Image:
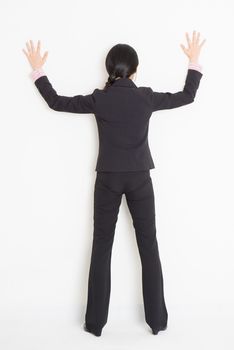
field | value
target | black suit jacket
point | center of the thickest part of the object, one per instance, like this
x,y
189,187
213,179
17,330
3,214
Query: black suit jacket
x,y
122,114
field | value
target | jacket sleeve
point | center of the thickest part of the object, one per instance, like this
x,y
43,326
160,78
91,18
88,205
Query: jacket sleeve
x,y
74,104
168,100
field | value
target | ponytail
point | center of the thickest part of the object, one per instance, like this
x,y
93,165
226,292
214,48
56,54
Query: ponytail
x,y
112,77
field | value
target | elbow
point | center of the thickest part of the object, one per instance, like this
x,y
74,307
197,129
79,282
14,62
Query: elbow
x,y
189,95
190,98
50,105
53,104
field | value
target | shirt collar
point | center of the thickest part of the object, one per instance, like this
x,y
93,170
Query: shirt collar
x,y
125,82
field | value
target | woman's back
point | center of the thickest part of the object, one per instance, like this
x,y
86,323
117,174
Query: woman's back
x,y
122,113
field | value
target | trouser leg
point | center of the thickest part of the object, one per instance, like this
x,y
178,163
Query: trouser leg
x,y
142,208
106,208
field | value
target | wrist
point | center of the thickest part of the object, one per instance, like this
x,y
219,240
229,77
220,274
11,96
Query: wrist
x,y
195,66
193,60
37,73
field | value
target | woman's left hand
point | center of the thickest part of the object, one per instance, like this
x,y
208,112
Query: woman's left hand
x,y
33,55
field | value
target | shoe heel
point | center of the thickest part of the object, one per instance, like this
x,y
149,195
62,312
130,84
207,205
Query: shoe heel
x,y
155,331
96,332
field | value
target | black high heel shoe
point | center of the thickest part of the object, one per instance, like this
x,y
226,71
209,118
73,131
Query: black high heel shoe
x,y
97,333
155,331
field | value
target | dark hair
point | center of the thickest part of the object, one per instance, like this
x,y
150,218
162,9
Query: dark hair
x,y
121,61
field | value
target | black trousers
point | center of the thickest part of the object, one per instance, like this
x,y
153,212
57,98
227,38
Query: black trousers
x,y
108,190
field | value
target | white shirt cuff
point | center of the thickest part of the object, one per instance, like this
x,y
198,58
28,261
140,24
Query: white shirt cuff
x,y
195,66
37,73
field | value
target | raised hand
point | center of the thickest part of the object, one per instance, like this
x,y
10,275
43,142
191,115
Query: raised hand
x,y
33,55
194,47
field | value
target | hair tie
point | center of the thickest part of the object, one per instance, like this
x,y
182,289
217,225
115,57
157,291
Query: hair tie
x,y
111,78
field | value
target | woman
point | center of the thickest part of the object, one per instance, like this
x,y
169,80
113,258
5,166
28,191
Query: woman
x,y
122,111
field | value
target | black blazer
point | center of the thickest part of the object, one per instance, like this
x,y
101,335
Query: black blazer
x,y
122,114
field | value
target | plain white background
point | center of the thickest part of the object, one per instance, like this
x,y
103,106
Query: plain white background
x,y
47,161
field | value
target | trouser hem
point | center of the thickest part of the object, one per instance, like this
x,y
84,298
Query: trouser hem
x,y
94,329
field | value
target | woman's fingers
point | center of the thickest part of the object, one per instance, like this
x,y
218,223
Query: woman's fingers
x,y
26,54
202,43
188,39
193,49
44,57
194,36
38,46
28,47
29,58
33,55
32,46
183,48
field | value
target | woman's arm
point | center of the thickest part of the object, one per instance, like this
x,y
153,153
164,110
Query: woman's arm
x,y
168,100
74,104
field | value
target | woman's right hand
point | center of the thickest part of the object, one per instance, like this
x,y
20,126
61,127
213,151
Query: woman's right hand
x,y
194,48
34,57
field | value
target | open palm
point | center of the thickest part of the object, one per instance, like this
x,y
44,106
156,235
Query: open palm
x,y
34,56
194,47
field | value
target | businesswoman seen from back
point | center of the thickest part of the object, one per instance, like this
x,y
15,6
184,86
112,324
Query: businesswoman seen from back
x,y
122,111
